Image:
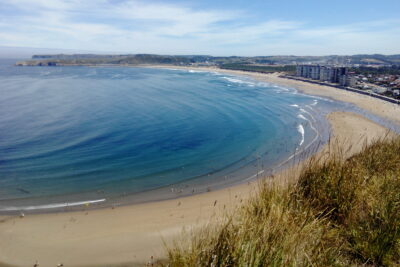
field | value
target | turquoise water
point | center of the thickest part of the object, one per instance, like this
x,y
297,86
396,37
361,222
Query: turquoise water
x,y
109,132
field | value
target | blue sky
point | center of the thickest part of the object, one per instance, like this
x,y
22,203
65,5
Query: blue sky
x,y
227,27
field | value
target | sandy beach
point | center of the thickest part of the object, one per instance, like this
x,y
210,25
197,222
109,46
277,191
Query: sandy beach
x,y
133,234
376,106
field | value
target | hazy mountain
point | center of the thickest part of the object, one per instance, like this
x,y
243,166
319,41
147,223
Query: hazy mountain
x,y
28,52
134,59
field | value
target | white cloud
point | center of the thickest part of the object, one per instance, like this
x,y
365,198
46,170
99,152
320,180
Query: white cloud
x,y
149,27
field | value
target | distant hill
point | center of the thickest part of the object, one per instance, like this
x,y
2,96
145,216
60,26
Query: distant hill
x,y
137,59
93,59
24,53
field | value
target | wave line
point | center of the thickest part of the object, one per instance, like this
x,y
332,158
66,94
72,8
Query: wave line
x,y
52,206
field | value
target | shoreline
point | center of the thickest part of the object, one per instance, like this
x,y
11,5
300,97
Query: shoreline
x,y
116,236
229,176
376,106
201,185
375,95
135,233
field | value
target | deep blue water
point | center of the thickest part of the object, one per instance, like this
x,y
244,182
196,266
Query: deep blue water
x,y
68,130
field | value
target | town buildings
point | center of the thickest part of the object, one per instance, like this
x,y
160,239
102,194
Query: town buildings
x,y
378,83
330,74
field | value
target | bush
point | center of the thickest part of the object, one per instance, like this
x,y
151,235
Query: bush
x,y
340,212
361,195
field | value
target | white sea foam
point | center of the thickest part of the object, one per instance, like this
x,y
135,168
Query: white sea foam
x,y
302,117
234,80
298,151
181,70
300,128
216,73
294,105
263,84
254,176
278,87
284,89
196,71
305,111
52,206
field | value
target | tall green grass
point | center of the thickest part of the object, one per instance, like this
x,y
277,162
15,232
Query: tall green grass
x,y
338,212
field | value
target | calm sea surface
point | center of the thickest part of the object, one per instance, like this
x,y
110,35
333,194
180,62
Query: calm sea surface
x,y
122,131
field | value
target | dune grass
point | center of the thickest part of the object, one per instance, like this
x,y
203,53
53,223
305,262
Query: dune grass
x,y
338,212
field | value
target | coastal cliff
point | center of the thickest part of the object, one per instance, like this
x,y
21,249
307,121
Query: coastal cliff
x,y
37,63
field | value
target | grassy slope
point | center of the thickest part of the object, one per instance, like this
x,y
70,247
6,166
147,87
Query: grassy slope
x,y
338,213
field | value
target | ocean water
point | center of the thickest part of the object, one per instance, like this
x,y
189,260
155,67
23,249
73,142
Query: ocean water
x,y
98,134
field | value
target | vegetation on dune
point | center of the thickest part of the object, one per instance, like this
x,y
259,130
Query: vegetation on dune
x,y
291,69
339,212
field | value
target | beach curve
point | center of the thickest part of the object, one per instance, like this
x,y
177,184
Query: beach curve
x,y
114,236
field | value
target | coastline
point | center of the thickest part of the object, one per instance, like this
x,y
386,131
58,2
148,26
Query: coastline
x,y
132,234
246,169
376,106
114,236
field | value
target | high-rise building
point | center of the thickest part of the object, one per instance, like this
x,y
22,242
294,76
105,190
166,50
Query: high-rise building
x,y
299,70
308,71
325,73
315,71
333,75
347,80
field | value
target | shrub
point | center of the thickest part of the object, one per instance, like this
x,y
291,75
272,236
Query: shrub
x,y
340,212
